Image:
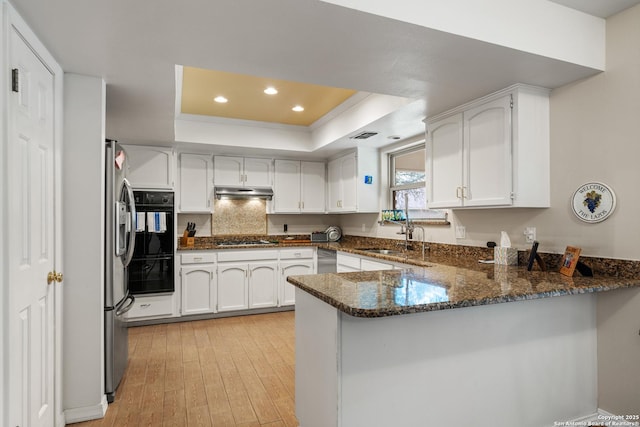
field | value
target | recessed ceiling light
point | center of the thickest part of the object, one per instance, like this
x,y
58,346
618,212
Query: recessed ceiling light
x,y
298,108
220,99
271,90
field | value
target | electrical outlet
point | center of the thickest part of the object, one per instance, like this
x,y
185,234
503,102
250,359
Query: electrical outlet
x,y
530,234
461,231
364,228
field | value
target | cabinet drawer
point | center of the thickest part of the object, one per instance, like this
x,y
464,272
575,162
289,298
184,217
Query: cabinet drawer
x,y
157,305
349,261
198,258
247,255
296,253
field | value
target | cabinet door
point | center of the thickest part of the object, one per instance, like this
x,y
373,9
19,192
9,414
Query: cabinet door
x,y
263,284
348,182
198,289
487,169
313,185
228,171
195,183
232,286
149,167
444,163
258,172
334,188
287,187
292,268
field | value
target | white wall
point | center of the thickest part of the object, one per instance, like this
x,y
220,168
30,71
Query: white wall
x,y
619,351
83,201
594,136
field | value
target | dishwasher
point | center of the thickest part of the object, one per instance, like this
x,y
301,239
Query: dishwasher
x,y
326,261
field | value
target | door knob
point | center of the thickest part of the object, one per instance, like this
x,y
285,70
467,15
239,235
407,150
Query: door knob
x,y
52,276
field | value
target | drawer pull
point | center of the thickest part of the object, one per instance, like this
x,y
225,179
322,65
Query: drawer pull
x,y
198,258
146,305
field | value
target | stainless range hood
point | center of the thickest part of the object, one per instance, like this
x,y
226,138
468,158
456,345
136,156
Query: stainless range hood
x,y
243,193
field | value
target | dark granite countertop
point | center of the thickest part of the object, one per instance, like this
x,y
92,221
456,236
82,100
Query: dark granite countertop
x,y
438,287
449,277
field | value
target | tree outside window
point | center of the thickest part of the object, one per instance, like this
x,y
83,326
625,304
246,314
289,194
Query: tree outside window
x,y
408,180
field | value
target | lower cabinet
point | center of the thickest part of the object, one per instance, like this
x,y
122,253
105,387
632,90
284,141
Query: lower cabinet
x,y
197,282
247,279
347,263
294,262
198,289
232,286
292,268
370,265
263,285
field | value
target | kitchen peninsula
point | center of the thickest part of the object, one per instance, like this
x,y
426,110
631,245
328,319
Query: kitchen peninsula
x,y
440,345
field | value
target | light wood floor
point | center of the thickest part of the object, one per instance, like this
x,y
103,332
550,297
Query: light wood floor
x,y
236,371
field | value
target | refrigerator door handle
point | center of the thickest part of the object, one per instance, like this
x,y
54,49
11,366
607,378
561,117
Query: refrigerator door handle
x,y
125,308
132,211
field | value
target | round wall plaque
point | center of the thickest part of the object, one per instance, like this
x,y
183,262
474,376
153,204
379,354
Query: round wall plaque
x,y
593,202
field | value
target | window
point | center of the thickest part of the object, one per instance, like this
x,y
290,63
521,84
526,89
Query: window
x,y
407,181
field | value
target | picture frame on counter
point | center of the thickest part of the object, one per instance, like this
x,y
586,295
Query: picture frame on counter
x,y
569,260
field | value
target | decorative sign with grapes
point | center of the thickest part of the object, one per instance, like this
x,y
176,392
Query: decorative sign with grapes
x,y
593,202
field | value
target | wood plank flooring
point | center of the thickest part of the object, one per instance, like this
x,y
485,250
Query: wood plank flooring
x,y
235,371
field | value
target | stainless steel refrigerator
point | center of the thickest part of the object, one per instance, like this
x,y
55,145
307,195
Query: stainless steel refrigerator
x,y
119,240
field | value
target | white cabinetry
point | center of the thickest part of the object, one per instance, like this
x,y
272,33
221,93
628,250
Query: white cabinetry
x,y
294,262
371,265
353,182
149,167
195,183
263,284
152,307
491,152
347,263
198,283
247,279
243,171
299,187
232,286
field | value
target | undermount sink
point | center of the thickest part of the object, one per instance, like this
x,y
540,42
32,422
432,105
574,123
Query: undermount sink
x,y
380,251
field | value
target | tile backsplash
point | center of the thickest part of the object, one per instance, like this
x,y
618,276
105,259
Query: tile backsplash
x,y
239,217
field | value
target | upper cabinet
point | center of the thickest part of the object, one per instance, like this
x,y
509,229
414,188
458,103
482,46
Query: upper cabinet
x,y
299,187
150,167
353,182
195,173
493,152
243,172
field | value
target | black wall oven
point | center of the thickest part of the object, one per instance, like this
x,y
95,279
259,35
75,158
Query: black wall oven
x,y
151,269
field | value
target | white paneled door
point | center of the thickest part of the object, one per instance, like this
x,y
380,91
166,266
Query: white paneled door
x,y
31,233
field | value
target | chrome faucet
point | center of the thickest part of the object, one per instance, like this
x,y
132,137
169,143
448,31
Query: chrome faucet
x,y
423,239
407,228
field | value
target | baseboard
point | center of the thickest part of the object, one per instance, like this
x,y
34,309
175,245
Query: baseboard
x,y
86,413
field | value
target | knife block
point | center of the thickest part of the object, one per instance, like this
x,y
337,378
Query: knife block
x,y
188,242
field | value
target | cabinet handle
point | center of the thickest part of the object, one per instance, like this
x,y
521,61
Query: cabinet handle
x,y
198,258
464,193
302,205
458,192
147,305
